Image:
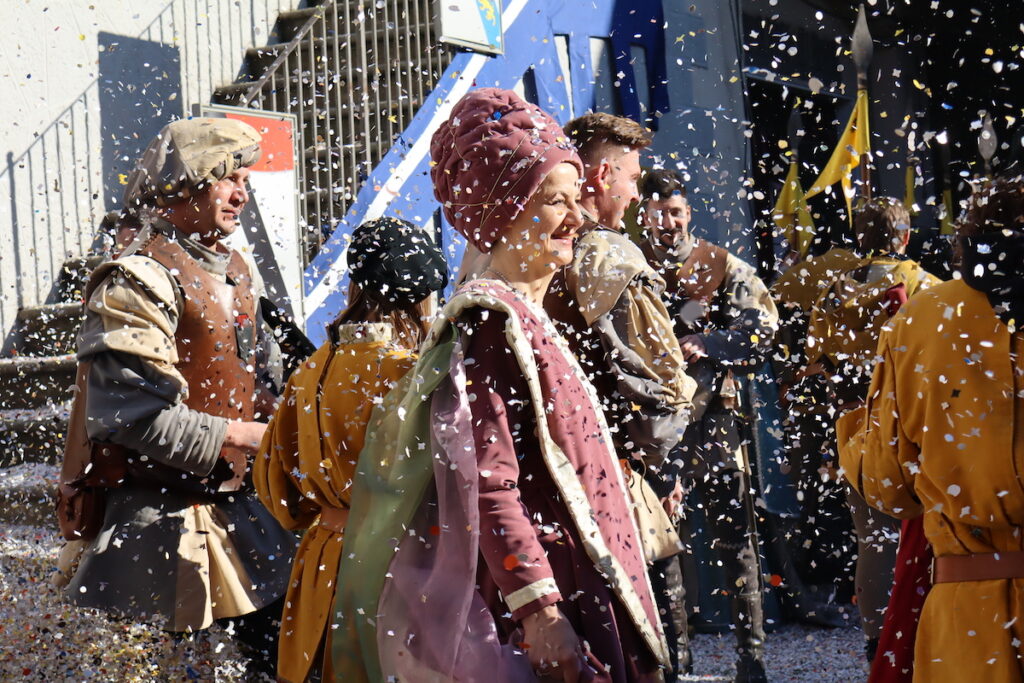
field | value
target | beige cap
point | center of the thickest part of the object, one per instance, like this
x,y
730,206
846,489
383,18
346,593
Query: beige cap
x,y
186,155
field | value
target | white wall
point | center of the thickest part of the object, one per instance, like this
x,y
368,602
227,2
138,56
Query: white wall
x,y
84,84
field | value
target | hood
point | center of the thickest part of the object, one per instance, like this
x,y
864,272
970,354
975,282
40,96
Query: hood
x,y
993,264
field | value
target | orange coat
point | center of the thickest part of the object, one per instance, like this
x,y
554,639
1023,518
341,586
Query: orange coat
x,y
306,462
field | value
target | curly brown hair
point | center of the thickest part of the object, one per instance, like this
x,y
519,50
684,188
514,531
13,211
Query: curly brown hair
x,y
879,225
590,131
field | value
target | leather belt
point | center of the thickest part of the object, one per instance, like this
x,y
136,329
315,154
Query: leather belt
x,y
978,567
334,518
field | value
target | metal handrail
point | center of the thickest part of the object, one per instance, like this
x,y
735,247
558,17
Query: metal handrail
x,y
291,46
354,75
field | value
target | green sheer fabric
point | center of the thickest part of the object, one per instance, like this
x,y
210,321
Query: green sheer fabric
x,y
394,470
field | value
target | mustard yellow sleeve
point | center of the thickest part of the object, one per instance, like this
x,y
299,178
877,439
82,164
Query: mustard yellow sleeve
x,y
879,459
277,458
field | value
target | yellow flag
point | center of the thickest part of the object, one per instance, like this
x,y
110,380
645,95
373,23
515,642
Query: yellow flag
x,y
791,214
908,189
855,141
946,223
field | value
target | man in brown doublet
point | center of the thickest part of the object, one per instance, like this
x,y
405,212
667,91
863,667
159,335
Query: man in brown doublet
x,y
176,369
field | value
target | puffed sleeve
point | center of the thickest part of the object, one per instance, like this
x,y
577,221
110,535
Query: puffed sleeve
x,y
878,457
752,318
503,431
135,393
653,388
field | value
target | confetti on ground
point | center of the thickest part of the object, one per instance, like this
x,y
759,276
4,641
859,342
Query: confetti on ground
x,y
794,653
43,638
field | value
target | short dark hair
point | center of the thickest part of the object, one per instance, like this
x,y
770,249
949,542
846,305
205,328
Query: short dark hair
x,y
590,131
876,225
661,182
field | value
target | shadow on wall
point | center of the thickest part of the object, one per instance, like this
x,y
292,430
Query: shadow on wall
x,y
60,186
139,92
53,185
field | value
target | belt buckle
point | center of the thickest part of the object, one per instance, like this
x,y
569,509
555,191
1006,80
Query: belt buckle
x,y
931,571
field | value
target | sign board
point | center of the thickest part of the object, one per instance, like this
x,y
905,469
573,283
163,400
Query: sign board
x,y
270,230
475,24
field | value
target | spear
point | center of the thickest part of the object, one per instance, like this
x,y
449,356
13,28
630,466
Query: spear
x,y
854,145
862,48
910,174
790,213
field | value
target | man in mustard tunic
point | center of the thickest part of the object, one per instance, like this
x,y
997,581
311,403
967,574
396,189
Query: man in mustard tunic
x,y
944,437
820,592
842,337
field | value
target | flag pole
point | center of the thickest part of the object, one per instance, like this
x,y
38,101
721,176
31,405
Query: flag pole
x,y
793,131
862,49
912,162
792,137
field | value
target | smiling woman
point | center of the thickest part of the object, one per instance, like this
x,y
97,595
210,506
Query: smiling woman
x,y
532,560
539,241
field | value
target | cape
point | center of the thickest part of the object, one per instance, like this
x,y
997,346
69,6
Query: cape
x,y
412,537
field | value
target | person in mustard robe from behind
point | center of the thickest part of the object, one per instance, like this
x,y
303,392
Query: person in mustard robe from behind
x,y
844,325
305,464
944,437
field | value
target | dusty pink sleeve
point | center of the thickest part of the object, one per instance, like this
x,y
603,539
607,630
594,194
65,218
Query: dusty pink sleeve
x,y
503,431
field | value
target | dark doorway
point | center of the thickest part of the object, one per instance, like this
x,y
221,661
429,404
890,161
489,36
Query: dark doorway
x,y
822,117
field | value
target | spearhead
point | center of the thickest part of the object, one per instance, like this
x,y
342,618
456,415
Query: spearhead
x,y
862,48
987,143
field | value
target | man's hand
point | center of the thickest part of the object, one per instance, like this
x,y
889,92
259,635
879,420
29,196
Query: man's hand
x,y
673,501
693,347
829,470
240,443
239,463
811,370
244,435
553,647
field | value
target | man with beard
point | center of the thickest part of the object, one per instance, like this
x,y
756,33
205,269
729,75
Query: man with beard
x,y
725,321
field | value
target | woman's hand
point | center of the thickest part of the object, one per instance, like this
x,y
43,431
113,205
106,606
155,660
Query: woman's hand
x,y
553,647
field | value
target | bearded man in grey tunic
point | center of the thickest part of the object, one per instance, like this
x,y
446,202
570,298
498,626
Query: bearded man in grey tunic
x,y
177,369
725,320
